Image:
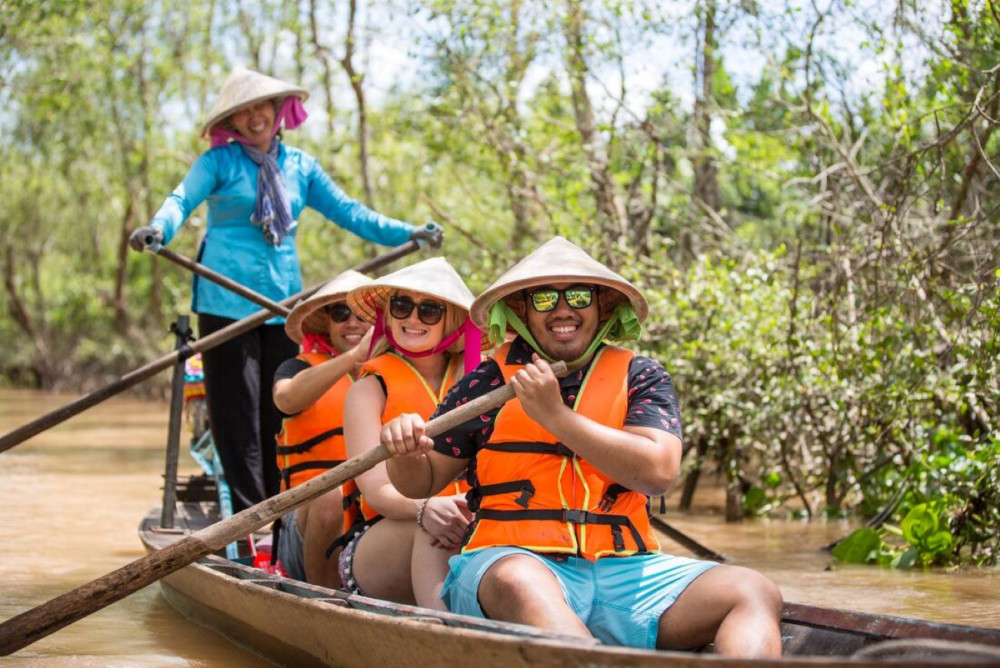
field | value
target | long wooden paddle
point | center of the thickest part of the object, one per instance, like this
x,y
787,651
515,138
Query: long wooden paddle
x,y
32,625
59,415
224,281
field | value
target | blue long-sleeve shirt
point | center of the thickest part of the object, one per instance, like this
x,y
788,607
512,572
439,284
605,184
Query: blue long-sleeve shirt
x,y
227,179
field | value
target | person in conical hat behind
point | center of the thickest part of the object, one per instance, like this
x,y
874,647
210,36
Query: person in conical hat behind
x,y
423,342
563,475
309,391
255,187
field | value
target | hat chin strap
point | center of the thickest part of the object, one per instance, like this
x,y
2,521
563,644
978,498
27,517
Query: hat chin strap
x,y
317,343
473,341
501,315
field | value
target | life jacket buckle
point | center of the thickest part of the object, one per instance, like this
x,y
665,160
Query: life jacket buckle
x,y
562,450
527,491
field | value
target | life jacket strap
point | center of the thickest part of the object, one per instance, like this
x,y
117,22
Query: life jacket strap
x,y
525,487
306,446
287,473
352,498
531,447
574,516
611,495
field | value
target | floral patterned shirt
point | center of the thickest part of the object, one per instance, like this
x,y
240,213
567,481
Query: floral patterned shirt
x,y
652,400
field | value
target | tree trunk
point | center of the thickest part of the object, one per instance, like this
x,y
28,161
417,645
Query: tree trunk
x,y
691,481
356,79
121,269
255,43
734,481
706,173
324,58
19,311
610,209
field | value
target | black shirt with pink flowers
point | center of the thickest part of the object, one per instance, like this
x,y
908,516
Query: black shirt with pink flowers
x,y
652,400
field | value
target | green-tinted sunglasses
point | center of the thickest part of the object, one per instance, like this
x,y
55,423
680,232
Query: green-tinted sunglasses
x,y
577,296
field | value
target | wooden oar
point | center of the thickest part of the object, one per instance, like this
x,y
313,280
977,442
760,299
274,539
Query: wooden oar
x,y
34,624
224,281
687,541
59,415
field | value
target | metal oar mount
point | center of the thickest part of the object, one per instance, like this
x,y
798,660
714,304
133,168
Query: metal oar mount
x,y
51,419
35,624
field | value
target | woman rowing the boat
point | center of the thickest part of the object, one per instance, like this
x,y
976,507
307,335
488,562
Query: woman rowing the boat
x,y
310,390
423,343
255,187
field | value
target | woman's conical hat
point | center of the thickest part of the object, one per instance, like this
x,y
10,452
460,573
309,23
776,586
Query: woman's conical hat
x,y
306,316
434,278
244,87
555,261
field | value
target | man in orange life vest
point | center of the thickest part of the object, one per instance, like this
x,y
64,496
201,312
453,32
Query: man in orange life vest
x,y
561,475
309,390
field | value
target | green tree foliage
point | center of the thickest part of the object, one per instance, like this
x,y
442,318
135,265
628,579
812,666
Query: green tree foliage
x,y
806,192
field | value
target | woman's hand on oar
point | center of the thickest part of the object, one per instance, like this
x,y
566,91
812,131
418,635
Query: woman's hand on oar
x,y
145,237
32,625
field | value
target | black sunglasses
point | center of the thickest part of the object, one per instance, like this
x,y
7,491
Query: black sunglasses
x,y
577,296
430,313
338,312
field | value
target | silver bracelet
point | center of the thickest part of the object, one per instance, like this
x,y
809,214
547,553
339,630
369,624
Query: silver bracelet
x,y
420,513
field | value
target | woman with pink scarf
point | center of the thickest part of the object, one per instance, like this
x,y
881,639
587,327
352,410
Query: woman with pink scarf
x,y
255,187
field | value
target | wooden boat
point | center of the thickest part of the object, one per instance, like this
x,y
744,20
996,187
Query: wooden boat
x,y
295,623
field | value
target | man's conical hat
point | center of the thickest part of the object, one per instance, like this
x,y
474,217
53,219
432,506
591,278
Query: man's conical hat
x,y
244,87
555,261
306,316
434,278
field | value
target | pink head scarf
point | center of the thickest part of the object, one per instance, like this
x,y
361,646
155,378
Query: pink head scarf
x,y
472,348
292,114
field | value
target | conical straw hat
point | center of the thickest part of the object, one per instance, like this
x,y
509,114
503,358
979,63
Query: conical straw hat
x,y
243,87
555,261
306,316
434,278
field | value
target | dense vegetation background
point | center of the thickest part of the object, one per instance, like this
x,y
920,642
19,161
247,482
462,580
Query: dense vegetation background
x,y
806,191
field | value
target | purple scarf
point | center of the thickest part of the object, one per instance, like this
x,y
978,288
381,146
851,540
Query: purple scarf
x,y
271,210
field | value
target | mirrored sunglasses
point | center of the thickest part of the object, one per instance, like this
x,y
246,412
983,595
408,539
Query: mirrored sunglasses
x,y
430,313
577,296
338,312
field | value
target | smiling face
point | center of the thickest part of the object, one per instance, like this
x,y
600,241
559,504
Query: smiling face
x,y
412,333
564,333
347,334
255,121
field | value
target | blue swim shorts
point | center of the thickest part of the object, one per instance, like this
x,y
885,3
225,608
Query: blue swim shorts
x,y
620,599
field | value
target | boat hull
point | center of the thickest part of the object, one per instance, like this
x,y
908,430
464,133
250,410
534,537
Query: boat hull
x,y
298,624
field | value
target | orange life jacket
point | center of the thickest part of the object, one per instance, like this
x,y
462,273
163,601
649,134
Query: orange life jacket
x,y
312,442
536,493
406,392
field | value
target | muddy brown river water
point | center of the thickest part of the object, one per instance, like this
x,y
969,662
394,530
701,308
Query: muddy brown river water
x,y
72,498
